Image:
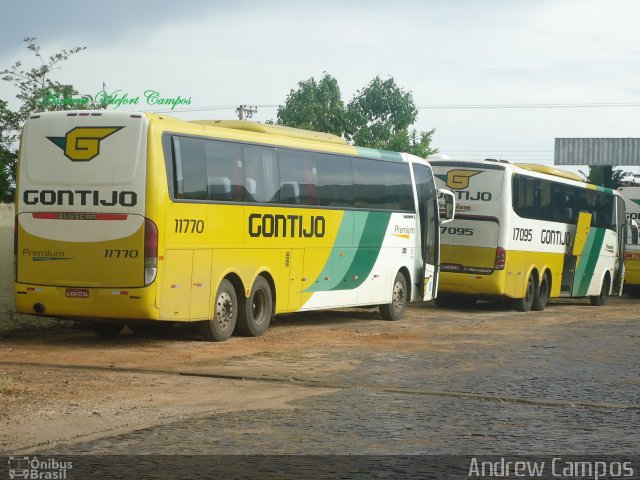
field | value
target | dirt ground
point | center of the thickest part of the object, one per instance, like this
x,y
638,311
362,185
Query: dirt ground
x,y
65,385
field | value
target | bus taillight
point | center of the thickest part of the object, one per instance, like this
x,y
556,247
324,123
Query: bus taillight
x,y
501,258
150,251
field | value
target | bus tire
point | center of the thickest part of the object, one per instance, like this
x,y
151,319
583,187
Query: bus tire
x,y
524,304
107,329
394,310
598,300
542,295
225,314
256,315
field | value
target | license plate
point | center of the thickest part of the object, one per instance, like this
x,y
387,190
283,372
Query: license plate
x,y
78,292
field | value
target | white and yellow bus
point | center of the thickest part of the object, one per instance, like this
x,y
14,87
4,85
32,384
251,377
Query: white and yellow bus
x,y
528,232
631,197
125,219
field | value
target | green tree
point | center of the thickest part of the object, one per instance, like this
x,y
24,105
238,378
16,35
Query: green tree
x,y
314,106
36,92
379,116
608,177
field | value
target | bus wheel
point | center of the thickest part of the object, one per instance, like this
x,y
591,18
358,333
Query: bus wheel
x,y
542,295
107,329
258,310
524,304
598,300
395,309
225,313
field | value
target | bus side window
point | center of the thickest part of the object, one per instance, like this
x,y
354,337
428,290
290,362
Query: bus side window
x,y
219,188
261,165
290,193
368,179
334,181
250,189
224,171
298,177
191,168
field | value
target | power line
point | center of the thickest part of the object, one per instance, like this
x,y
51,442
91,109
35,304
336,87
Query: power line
x,y
529,105
445,106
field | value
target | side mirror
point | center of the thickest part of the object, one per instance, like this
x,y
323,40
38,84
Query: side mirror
x,y
447,205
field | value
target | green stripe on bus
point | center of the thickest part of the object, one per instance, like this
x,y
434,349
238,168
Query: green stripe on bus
x,y
378,154
355,251
588,260
604,189
342,253
368,249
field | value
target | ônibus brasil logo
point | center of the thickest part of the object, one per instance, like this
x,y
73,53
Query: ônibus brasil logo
x,y
82,144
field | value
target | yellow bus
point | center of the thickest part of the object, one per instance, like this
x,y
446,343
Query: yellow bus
x,y
529,232
129,218
631,196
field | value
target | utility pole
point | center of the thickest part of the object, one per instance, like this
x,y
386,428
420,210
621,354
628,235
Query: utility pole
x,y
246,111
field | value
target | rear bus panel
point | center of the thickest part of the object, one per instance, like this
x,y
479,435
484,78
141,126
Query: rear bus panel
x,y
80,223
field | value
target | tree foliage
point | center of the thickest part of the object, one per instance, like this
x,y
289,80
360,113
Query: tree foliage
x,y
598,175
36,92
314,106
379,116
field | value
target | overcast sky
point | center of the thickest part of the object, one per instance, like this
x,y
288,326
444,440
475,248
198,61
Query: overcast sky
x,y
456,53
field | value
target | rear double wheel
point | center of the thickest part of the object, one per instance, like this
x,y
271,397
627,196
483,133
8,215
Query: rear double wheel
x,y
255,317
541,295
225,314
525,303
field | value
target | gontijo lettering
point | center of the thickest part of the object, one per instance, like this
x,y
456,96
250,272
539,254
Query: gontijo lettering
x,y
80,197
286,226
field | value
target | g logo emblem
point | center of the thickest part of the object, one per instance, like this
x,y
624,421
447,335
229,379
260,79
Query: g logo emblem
x,y
459,179
82,144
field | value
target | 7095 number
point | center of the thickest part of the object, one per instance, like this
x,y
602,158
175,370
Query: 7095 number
x,y
456,230
523,234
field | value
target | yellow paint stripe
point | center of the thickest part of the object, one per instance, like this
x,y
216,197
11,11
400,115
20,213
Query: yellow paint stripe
x,y
582,231
401,235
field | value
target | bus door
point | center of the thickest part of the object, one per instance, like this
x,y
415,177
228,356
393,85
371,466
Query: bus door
x,y
429,235
429,247
574,252
621,229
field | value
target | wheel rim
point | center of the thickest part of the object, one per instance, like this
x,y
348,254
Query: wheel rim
x,y
399,297
259,307
224,310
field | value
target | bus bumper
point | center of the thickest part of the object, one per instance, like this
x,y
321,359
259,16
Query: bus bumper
x,y
632,276
472,284
87,303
